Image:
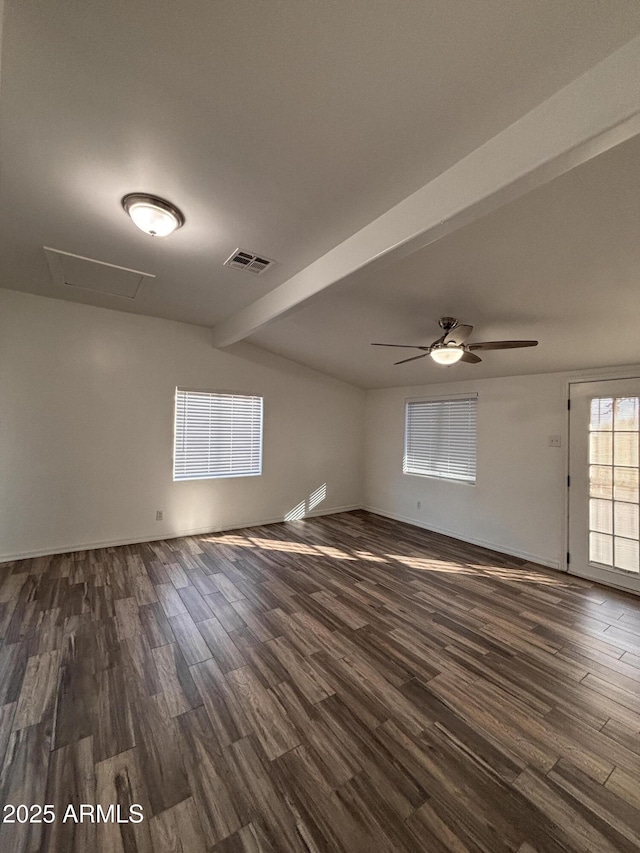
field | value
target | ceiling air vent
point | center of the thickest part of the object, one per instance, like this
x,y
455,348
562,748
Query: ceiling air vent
x,y
255,264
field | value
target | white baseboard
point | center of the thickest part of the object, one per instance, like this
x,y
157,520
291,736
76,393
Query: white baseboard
x,y
170,534
483,543
198,531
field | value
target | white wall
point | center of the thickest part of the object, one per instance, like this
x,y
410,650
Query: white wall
x,y
518,502
86,429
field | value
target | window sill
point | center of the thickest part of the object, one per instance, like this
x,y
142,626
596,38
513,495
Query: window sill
x,y
439,479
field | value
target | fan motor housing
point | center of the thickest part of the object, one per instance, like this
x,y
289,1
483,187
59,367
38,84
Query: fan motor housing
x,y
447,323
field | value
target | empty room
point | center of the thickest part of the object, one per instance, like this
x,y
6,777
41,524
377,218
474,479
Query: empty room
x,y
320,426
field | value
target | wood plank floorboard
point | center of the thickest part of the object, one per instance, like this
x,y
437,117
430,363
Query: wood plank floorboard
x,y
340,684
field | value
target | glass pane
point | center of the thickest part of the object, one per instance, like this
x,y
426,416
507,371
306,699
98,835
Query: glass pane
x,y
626,414
601,549
625,484
601,413
600,448
601,516
626,520
614,527
600,482
626,448
627,554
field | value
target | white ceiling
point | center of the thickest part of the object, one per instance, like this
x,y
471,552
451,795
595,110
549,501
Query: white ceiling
x,y
283,128
560,265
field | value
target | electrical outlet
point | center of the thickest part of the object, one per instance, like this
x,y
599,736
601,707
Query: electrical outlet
x,y
419,504
555,441
159,515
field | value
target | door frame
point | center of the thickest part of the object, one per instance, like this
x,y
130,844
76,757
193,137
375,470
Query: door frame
x,y
603,374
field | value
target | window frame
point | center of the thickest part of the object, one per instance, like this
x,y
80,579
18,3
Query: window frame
x,y
443,477
216,393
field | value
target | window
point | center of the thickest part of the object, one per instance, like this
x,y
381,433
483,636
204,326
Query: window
x,y
440,438
614,469
217,435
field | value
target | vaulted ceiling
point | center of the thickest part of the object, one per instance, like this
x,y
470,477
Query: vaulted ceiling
x,y
287,128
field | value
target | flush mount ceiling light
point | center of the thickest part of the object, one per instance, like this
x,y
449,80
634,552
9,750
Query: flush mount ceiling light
x,y
155,216
447,353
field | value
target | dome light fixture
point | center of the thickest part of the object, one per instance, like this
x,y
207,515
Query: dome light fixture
x,y
155,216
447,353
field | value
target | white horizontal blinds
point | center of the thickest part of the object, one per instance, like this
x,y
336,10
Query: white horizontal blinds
x,y
440,439
217,435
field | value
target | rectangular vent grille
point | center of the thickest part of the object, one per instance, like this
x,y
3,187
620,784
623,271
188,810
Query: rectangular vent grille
x,y
254,264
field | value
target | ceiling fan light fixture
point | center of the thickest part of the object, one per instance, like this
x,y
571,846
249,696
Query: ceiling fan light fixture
x,y
447,353
153,215
452,346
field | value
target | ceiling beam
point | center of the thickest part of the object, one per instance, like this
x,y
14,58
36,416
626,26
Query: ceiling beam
x,y
597,111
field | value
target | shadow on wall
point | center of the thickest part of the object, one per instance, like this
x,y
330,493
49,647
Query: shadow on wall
x,y
300,510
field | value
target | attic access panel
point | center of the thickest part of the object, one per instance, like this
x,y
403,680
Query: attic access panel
x,y
69,270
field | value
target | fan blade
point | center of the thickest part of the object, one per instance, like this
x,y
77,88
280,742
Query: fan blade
x,y
471,358
403,346
503,345
458,335
413,358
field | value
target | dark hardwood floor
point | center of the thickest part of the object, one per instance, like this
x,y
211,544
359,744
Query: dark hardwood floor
x,y
344,683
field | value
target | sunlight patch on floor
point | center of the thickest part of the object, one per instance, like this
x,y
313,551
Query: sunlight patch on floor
x,y
367,555
429,564
335,553
424,564
227,539
280,545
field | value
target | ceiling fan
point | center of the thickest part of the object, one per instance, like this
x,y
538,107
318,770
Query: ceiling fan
x,y
451,347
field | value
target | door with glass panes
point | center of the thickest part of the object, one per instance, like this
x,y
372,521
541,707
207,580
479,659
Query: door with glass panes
x,y
604,459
